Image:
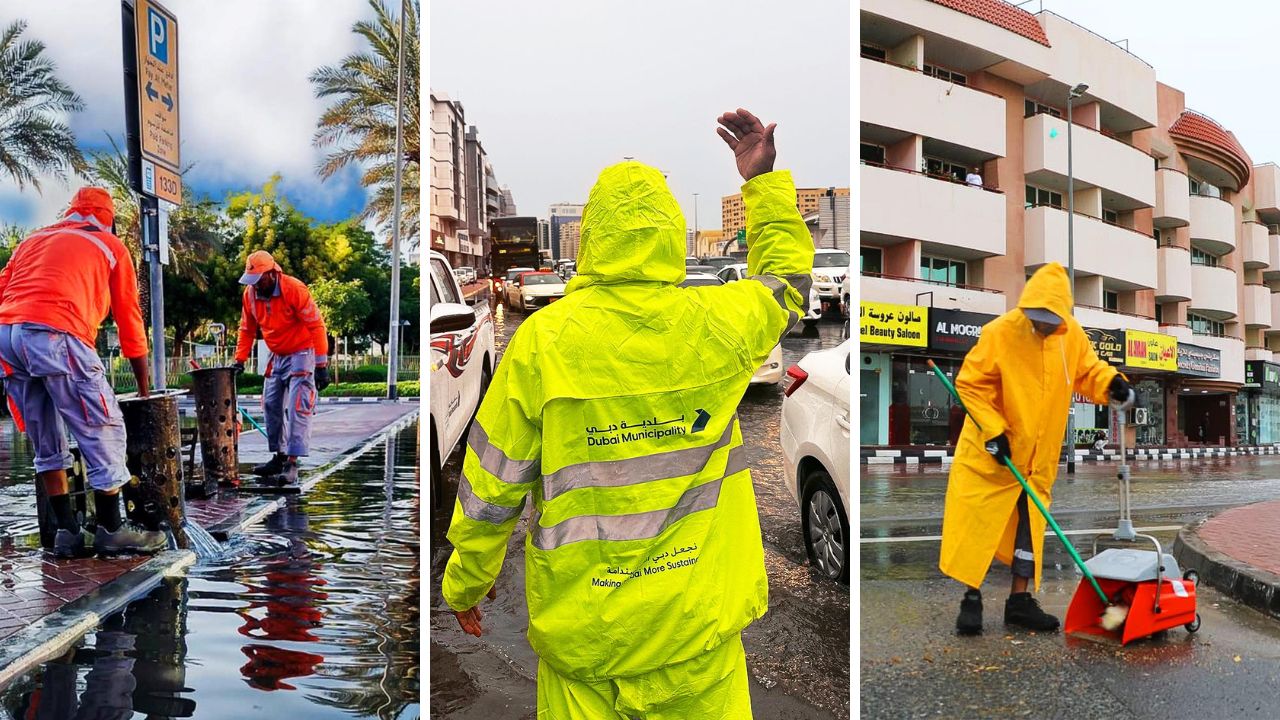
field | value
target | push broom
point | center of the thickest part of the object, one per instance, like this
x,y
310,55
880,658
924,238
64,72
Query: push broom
x,y
1115,614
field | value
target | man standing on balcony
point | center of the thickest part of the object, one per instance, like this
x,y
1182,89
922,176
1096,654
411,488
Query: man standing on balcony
x,y
280,306
974,177
1017,384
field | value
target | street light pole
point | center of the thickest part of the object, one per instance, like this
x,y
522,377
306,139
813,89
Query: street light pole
x,y
393,358
695,224
1075,92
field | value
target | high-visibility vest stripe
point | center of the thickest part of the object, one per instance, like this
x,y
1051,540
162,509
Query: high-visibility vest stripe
x,y
111,257
482,510
495,461
801,283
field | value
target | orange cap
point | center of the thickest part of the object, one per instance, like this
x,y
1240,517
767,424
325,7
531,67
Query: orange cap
x,y
256,265
94,205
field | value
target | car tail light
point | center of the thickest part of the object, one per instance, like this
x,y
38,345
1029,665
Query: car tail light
x,y
795,378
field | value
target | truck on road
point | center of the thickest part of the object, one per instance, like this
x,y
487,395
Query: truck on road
x,y
514,244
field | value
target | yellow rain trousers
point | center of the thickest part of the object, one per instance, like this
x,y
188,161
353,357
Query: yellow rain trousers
x,y
1018,383
615,410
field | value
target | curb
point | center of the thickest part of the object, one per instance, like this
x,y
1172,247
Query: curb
x,y
1257,588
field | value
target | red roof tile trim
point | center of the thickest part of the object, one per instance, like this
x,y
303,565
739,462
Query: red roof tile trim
x,y
1002,14
1194,126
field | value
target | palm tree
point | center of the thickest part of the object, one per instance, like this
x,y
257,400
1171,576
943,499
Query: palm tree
x,y
33,138
361,126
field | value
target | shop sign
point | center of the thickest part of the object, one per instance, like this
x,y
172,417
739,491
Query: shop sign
x,y
1260,373
1151,351
1199,361
955,330
888,324
1108,344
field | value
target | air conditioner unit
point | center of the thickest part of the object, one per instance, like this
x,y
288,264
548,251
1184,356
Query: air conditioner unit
x,y
1141,416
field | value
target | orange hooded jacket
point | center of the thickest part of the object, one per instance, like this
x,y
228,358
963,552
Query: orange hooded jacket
x,y
71,274
289,320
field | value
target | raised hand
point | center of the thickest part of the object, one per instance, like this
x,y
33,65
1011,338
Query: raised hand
x,y
750,140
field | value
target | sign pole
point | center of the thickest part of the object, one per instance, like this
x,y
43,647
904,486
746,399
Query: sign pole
x,y
151,241
393,337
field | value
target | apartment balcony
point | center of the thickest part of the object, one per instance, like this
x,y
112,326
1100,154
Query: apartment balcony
x,y
969,221
1275,313
1182,332
1173,199
1232,350
1214,292
1098,245
1257,250
1173,274
906,291
1102,318
906,99
1123,172
1272,271
1258,353
1266,192
1213,224
1257,306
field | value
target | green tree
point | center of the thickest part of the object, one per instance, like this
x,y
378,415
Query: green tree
x,y
266,220
201,288
33,137
360,127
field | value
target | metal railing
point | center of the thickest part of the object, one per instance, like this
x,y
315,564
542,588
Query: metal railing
x,y
940,283
935,176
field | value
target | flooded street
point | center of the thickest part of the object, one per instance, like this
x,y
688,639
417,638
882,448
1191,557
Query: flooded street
x,y
912,664
797,654
313,614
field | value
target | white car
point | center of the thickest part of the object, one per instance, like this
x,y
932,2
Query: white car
x,y
738,271
830,268
462,362
771,372
532,290
468,275
500,285
815,451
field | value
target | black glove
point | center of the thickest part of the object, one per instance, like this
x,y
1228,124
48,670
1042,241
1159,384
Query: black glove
x,y
239,366
998,446
322,377
1121,392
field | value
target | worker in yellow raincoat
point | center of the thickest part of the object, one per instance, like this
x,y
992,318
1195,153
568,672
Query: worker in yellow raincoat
x,y
614,413
1017,383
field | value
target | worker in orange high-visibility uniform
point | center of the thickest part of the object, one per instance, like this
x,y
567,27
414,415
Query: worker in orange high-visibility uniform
x,y
54,293
280,306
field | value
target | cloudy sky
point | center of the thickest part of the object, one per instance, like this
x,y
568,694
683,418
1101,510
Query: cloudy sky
x,y
558,89
248,109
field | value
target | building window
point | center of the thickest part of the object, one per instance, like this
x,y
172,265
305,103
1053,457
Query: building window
x,y
872,260
1156,234
1159,314
1040,196
938,167
873,52
1031,107
1205,326
1200,257
871,153
945,75
1204,189
1111,300
942,270
1111,216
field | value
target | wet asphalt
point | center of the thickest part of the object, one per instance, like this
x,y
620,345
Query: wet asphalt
x,y
912,665
797,655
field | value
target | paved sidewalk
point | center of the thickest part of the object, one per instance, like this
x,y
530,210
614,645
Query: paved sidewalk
x,y
1237,552
944,456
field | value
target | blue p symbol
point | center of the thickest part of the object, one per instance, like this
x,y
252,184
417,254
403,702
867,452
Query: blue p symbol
x,y
158,35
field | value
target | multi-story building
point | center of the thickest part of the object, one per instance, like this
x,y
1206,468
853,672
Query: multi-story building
x,y
733,213
507,203
829,222
560,214
449,220
709,243
570,239
1176,234
478,172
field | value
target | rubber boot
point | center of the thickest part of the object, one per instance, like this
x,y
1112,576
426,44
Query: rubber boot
x,y
271,467
970,620
129,538
288,475
1024,611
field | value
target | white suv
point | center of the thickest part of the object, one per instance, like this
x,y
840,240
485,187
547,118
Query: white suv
x,y
830,268
815,451
462,362
738,271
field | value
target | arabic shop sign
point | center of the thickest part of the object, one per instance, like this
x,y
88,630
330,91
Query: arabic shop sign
x,y
955,330
1261,373
1108,344
1199,361
888,324
1151,351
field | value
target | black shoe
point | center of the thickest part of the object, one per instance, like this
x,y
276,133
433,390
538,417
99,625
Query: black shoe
x,y
970,620
271,467
286,477
1024,611
129,538
68,544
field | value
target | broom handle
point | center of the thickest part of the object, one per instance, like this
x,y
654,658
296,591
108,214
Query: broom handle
x,y
1027,488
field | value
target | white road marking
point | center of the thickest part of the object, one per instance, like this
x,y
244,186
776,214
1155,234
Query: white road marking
x,y
934,538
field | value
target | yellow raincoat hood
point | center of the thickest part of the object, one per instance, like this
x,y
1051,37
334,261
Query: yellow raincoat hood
x,y
1049,288
632,230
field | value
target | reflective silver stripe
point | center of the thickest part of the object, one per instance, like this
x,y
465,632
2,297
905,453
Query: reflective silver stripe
x,y
637,526
86,218
481,510
801,283
633,471
496,462
111,257
1023,555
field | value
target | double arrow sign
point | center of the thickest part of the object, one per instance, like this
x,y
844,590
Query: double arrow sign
x,y
167,101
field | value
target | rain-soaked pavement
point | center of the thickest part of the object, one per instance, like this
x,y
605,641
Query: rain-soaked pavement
x,y
797,655
913,665
314,614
